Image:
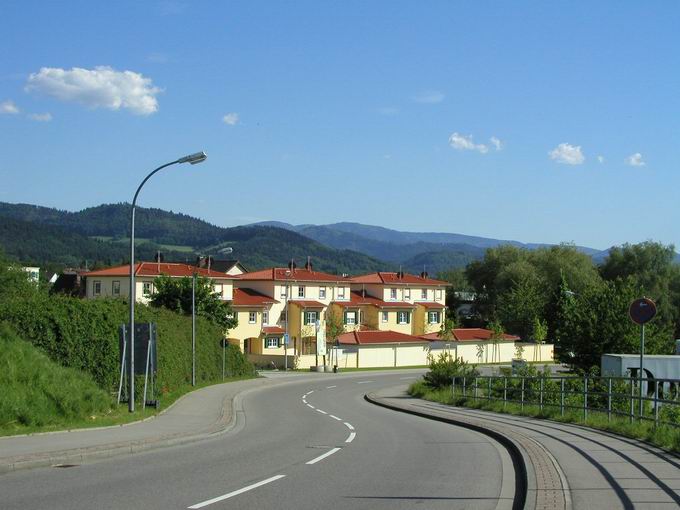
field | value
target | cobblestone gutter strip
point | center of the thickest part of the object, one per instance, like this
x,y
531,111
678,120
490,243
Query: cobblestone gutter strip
x,y
539,484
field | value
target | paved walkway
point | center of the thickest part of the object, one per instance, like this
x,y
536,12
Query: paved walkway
x,y
193,417
568,466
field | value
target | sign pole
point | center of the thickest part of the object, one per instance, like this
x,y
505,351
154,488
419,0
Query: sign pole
x,y
193,330
641,311
642,356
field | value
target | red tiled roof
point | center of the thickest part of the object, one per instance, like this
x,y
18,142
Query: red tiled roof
x,y
356,299
156,269
273,330
296,275
250,297
469,335
382,277
377,337
306,304
430,304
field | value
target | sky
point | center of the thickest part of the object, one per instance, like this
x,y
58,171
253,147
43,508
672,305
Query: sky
x,y
534,121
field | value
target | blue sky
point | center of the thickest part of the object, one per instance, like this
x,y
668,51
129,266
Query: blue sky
x,y
478,118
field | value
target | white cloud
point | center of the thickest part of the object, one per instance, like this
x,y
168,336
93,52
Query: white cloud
x,y
9,108
600,159
40,117
497,144
465,143
430,97
101,87
567,154
231,118
635,160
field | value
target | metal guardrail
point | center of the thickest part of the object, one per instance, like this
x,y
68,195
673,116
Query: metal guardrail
x,y
613,396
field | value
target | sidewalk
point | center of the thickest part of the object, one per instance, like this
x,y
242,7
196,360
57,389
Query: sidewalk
x,y
567,466
195,416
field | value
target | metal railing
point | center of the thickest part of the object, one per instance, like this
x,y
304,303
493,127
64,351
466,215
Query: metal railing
x,y
613,396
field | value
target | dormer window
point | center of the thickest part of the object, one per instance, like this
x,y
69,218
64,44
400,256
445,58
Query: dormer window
x,y
301,291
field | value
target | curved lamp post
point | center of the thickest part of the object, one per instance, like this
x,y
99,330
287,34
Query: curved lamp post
x,y
198,157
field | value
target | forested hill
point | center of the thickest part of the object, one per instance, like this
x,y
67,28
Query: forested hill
x,y
42,235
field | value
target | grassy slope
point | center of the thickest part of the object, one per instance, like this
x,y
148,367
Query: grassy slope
x,y
36,392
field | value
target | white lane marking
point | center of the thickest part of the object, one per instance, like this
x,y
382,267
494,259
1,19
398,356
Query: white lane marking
x,y
321,457
351,437
311,406
364,382
405,378
329,387
349,426
237,492
322,412
335,417
309,392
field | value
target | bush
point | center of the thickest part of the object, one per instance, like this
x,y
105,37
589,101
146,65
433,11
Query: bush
x,y
83,334
444,368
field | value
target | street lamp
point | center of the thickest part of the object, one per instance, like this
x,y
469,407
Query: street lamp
x,y
198,157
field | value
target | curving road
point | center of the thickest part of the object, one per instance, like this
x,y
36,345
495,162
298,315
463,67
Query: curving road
x,y
307,443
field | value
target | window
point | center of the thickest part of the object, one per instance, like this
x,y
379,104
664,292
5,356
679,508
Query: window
x,y
218,289
350,318
230,315
252,317
404,317
393,293
341,292
439,294
271,343
434,318
96,287
322,292
283,317
423,294
115,288
284,292
265,318
407,293
147,288
301,291
385,316
311,317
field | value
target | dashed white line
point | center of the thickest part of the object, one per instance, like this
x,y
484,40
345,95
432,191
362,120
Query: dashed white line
x,y
349,426
309,392
364,382
351,437
335,417
311,406
322,412
329,387
321,457
240,491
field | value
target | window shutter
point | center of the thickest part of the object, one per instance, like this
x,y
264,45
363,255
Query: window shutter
x,y
408,317
344,317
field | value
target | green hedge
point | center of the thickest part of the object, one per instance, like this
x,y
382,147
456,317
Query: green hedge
x,y
83,334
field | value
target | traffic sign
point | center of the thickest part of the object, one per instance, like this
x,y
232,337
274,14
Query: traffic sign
x,y
642,310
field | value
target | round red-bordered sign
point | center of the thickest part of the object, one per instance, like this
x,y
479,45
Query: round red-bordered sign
x,y
642,310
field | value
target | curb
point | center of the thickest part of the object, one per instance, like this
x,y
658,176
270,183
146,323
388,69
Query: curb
x,y
217,428
538,481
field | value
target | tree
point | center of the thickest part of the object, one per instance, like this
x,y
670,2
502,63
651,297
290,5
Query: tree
x,y
175,294
334,327
496,335
539,334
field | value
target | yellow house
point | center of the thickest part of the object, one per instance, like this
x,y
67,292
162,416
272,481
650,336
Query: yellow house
x,y
115,281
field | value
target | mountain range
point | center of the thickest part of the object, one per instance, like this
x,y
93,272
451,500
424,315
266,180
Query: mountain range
x,y
43,235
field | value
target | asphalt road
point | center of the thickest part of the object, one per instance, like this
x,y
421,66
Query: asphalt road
x,y
304,444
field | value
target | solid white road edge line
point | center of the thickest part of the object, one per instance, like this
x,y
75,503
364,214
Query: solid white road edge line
x,y
237,492
363,382
349,426
321,457
329,387
335,417
351,437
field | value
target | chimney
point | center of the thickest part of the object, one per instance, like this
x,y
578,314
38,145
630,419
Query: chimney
x,y
292,265
423,275
308,265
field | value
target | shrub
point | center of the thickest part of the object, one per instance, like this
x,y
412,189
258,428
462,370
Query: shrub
x,y
444,367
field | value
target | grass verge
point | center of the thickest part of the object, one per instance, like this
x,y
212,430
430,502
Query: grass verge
x,y
663,436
